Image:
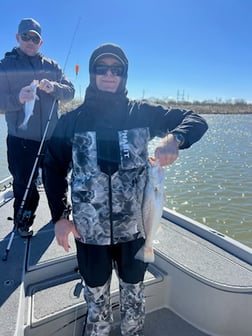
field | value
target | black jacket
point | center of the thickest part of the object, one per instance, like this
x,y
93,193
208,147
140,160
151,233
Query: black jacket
x,y
18,70
105,145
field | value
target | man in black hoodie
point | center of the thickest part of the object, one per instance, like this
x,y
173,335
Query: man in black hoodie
x,y
26,125
104,143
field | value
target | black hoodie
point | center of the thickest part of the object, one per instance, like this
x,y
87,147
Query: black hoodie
x,y
18,70
105,144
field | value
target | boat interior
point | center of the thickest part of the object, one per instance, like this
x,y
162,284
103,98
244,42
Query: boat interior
x,y
200,283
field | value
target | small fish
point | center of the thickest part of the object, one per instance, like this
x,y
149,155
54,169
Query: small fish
x,y
29,106
152,208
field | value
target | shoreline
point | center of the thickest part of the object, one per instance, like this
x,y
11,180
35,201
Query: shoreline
x,y
207,107
197,107
216,109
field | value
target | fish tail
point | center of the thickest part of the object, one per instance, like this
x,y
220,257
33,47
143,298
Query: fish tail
x,y
145,254
23,126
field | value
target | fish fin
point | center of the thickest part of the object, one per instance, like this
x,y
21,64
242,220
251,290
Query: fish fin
x,y
159,230
145,254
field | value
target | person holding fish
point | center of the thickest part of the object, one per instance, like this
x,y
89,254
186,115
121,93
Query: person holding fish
x,y
31,86
104,143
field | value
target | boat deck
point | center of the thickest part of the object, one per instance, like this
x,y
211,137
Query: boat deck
x,y
41,290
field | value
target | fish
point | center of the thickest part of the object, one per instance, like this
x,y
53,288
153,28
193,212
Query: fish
x,y
29,106
152,208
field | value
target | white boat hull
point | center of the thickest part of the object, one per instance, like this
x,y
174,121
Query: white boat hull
x,y
200,283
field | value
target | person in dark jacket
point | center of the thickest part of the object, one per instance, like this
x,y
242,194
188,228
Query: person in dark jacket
x,y
27,124
104,144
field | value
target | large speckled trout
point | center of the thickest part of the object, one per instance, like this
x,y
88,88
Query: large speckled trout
x,y
152,208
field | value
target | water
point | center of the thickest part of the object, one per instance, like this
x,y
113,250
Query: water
x,y
210,182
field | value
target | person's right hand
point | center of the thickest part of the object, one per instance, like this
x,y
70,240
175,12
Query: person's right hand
x,y
62,229
26,94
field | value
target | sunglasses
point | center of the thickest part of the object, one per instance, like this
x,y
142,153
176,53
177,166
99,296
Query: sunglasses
x,y
102,69
26,37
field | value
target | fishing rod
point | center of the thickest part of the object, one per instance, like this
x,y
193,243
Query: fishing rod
x,y
24,215
71,44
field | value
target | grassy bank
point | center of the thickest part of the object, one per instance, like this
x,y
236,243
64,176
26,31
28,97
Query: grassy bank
x,y
198,107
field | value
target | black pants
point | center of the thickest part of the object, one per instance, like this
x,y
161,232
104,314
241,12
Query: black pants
x,y
96,262
21,154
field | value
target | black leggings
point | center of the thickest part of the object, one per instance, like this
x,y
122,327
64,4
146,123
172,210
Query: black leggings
x,y
96,262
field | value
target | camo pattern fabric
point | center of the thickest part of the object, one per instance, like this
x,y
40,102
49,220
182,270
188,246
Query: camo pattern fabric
x,y
132,308
97,215
99,317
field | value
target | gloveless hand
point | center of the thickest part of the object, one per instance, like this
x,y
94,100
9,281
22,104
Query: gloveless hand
x,y
26,94
167,151
46,85
62,229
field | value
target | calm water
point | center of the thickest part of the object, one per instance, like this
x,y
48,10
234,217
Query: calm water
x,y
210,182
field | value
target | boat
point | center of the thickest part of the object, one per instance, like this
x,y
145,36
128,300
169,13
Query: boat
x,y
200,283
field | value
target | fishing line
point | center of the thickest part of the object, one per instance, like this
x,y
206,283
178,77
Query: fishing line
x,y
71,44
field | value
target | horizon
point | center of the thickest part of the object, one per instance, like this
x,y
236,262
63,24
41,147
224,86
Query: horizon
x,y
194,49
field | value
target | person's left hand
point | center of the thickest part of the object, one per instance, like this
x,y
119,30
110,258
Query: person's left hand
x,y
167,151
46,85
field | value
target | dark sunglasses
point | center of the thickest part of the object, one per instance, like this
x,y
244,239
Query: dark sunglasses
x,y
26,37
102,69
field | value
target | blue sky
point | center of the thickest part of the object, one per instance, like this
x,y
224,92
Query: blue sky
x,y
196,49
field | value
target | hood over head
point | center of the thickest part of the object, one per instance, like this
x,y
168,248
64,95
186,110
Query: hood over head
x,y
112,50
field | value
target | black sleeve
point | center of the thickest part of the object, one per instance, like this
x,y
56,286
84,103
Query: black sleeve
x,y
191,125
162,121
57,165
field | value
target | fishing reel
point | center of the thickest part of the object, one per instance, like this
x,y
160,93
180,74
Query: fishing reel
x,y
24,219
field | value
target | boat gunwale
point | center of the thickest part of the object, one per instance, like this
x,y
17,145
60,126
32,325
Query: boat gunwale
x,y
205,280
231,246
